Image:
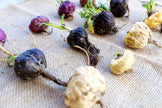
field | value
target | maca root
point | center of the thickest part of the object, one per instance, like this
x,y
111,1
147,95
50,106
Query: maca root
x,y
78,39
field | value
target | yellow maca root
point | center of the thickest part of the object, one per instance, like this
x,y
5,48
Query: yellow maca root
x,y
123,63
138,35
154,20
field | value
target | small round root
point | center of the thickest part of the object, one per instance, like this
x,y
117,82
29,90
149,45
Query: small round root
x,y
53,78
34,44
154,42
88,58
5,51
100,103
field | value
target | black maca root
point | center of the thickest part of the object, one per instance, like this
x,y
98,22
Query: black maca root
x,y
119,7
104,23
31,64
78,39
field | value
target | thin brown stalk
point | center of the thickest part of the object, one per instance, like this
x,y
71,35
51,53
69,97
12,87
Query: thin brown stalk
x,y
5,51
47,75
88,58
154,42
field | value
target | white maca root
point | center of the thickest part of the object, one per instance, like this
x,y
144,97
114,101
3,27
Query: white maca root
x,y
138,35
85,88
123,63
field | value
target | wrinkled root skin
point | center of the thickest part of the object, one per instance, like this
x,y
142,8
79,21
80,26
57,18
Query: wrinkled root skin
x,y
149,14
79,37
66,8
30,64
118,7
35,24
104,23
93,53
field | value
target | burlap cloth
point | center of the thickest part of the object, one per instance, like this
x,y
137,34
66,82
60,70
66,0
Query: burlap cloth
x,y
141,89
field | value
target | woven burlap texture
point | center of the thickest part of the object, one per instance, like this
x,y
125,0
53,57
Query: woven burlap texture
x,y
139,89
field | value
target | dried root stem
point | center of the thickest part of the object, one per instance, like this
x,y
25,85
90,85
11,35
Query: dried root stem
x,y
5,51
154,42
88,58
128,13
46,74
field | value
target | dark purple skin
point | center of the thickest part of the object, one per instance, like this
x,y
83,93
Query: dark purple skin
x,y
3,37
35,24
31,64
104,23
66,8
118,7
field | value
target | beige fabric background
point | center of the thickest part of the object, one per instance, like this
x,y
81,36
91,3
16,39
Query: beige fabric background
x,y
141,89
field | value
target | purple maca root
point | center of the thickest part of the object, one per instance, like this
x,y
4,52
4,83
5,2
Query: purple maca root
x,y
35,24
3,37
66,8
